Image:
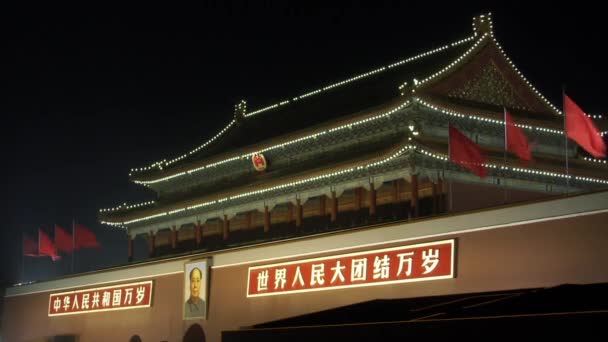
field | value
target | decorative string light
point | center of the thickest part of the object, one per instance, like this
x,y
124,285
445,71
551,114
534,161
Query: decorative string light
x,y
124,206
145,218
490,35
590,179
119,225
517,71
524,170
451,112
521,169
525,80
453,64
424,54
594,160
159,164
364,75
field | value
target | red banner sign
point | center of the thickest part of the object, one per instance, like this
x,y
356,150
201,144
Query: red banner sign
x,y
421,262
117,297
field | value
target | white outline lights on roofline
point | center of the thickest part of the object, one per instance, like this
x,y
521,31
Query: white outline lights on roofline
x,y
490,35
445,69
364,75
521,75
159,164
127,207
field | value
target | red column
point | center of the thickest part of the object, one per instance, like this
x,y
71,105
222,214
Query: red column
x,y
298,213
151,243
248,218
174,237
266,219
130,248
226,227
434,194
372,200
289,212
322,211
358,198
396,191
334,207
440,203
198,232
414,202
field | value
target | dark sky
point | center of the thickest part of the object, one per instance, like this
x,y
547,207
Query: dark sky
x,y
86,96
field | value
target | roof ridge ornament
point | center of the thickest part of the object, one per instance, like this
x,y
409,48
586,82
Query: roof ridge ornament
x,y
482,24
240,109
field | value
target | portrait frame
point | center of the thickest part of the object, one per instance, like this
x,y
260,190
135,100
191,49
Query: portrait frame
x,y
194,309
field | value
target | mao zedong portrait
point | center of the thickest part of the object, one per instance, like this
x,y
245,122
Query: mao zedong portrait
x,y
195,305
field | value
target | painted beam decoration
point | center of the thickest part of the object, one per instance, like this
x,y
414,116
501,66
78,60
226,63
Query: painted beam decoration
x,y
420,262
117,297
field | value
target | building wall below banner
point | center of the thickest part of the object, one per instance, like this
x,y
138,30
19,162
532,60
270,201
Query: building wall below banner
x,y
27,318
537,253
534,255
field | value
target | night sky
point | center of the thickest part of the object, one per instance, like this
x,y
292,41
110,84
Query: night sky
x,y
85,97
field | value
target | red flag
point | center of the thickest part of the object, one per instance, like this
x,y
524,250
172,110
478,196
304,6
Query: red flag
x,y
63,240
466,153
516,140
46,246
30,248
84,237
581,129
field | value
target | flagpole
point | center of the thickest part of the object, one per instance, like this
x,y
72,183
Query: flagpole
x,y
566,138
504,179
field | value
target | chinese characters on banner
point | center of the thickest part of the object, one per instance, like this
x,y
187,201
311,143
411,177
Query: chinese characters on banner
x,y
118,297
427,261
